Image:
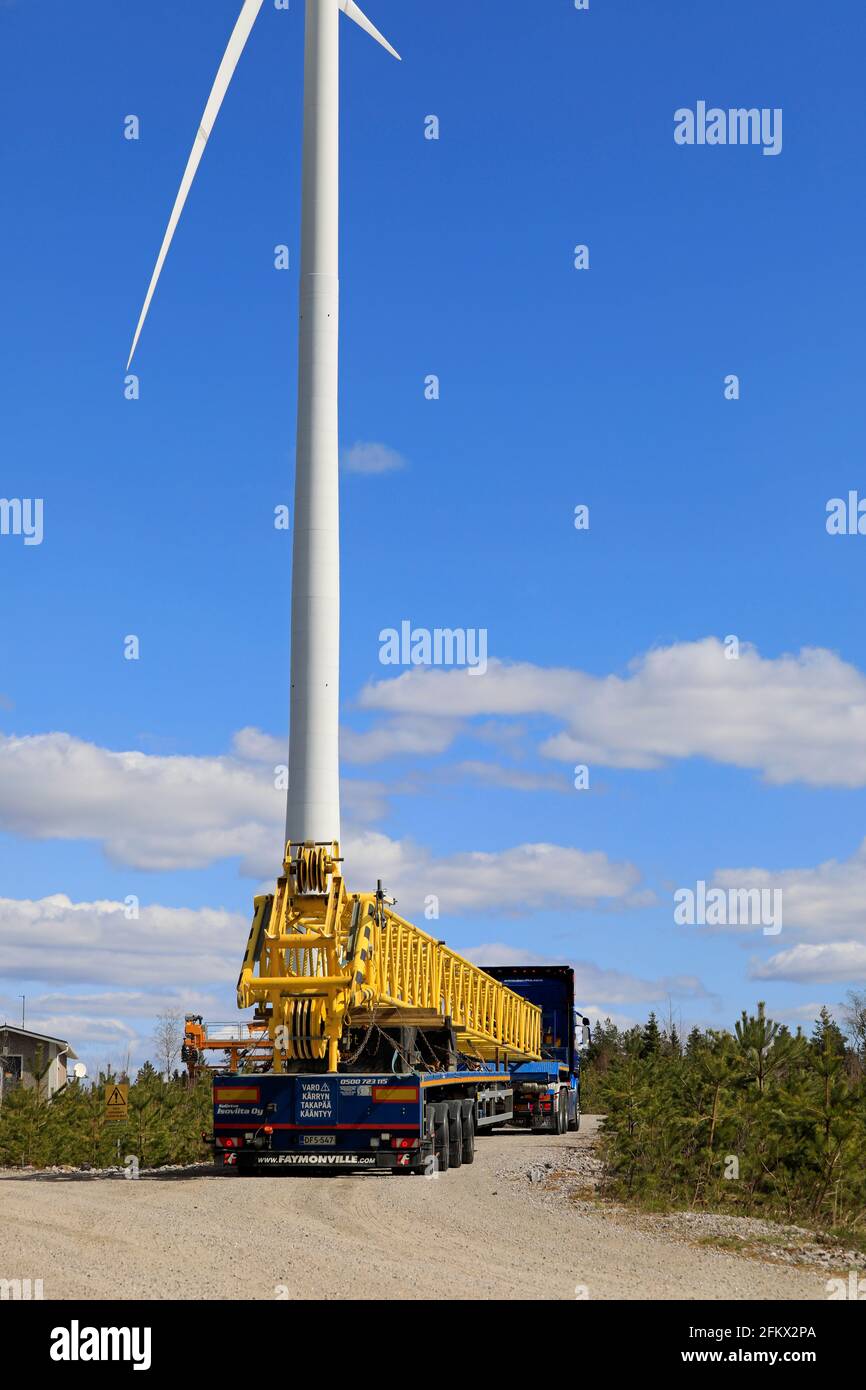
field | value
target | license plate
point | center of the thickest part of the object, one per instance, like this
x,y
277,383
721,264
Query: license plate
x,y
318,1141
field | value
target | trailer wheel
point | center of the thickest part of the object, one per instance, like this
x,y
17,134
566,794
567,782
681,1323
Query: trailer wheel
x,y
441,1138
469,1132
574,1125
455,1126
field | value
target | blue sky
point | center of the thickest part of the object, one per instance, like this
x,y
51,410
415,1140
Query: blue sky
x,y
558,387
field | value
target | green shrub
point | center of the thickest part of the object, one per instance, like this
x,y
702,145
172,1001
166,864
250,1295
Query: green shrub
x,y
165,1124
754,1122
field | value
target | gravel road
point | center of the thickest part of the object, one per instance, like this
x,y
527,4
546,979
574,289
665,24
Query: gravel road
x,y
506,1228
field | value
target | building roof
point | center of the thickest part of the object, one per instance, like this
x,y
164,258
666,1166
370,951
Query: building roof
x,y
38,1037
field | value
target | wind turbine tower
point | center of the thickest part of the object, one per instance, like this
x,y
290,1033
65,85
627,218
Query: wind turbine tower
x,y
313,811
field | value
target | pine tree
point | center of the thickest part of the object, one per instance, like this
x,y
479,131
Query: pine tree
x,y
758,1121
827,1034
651,1038
694,1042
765,1047
632,1041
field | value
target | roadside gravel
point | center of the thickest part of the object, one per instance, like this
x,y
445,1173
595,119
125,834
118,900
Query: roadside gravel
x,y
489,1231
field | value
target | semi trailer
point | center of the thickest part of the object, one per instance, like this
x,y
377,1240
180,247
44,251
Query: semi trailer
x,y
387,1051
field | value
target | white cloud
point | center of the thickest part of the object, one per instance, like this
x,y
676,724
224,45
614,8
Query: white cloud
x,y
593,982
116,1023
254,746
531,877
148,811
79,1029
817,903
159,812
169,812
397,738
127,1003
363,801
107,978
804,1014
497,953
793,718
823,909
65,942
813,963
512,778
372,458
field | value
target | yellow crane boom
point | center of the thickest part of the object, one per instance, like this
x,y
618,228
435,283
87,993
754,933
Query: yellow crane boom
x,y
320,961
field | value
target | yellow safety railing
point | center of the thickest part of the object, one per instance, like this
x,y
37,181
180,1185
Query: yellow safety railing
x,y
323,960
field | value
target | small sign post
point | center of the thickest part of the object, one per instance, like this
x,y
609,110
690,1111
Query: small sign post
x,y
116,1102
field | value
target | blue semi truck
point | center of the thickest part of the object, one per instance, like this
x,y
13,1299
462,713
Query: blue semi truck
x,y
406,1119
547,1093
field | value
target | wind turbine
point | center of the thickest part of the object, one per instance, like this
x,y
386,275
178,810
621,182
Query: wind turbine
x,y
313,812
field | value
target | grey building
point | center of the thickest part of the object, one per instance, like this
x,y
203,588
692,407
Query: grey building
x,y
23,1054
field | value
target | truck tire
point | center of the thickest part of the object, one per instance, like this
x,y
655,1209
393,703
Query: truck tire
x,y
441,1138
455,1129
469,1132
561,1113
574,1125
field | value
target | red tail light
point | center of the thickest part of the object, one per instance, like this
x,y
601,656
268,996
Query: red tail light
x,y
405,1143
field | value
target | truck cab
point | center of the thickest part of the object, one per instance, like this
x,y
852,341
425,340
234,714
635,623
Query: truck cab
x,y
547,1093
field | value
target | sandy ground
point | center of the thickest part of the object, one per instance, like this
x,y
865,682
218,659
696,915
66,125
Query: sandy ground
x,y
489,1231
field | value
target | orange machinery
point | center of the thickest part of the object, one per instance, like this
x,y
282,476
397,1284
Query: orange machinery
x,y
239,1046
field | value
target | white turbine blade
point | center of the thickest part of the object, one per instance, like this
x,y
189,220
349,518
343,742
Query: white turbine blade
x,y
351,9
237,42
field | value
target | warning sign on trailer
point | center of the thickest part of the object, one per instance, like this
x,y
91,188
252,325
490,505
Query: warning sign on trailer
x,y
116,1101
316,1103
